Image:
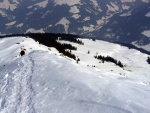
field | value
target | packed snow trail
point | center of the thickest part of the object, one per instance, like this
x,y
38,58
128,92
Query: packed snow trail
x,y
19,97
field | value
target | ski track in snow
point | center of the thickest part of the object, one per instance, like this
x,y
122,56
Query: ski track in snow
x,y
20,98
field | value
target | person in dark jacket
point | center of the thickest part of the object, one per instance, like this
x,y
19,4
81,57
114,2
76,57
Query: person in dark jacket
x,y
22,52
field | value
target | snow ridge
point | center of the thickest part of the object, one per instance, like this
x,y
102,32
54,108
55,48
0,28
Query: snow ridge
x,y
20,98
43,81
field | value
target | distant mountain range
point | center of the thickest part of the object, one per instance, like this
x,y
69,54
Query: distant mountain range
x,y
125,21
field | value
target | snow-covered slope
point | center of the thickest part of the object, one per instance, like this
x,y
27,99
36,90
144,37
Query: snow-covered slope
x,y
135,62
42,81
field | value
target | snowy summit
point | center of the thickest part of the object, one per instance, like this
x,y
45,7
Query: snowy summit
x,y
45,81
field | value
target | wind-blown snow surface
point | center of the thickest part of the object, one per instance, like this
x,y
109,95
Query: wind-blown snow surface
x,y
44,82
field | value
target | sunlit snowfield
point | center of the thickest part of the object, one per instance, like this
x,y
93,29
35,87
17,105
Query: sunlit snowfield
x,y
43,81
